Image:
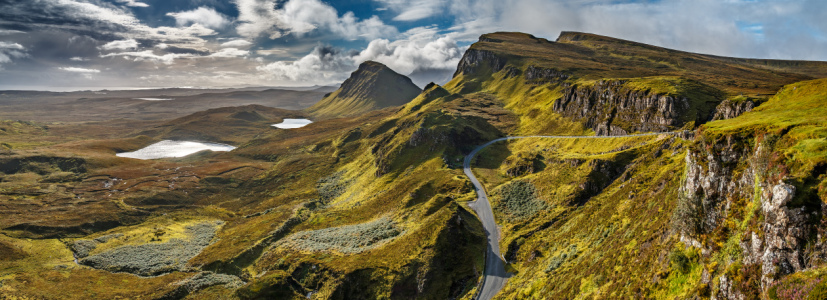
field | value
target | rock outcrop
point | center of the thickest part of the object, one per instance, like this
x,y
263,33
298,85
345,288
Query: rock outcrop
x,y
612,108
729,172
729,109
474,60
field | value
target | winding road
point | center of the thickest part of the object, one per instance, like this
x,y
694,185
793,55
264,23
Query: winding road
x,y
495,276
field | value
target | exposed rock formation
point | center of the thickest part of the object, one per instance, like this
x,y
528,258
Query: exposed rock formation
x,y
544,75
474,59
721,175
729,109
611,108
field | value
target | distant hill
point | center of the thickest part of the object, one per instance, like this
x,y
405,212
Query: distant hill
x,y
373,86
232,125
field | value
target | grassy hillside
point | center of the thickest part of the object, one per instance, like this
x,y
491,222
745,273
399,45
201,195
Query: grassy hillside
x,y
374,204
372,86
232,125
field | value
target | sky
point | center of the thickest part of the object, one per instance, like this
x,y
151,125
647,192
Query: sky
x,y
89,44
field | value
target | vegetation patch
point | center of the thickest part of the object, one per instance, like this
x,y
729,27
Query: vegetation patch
x,y
331,187
154,258
348,239
201,281
518,200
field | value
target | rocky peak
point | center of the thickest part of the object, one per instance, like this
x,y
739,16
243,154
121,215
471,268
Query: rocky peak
x,y
372,86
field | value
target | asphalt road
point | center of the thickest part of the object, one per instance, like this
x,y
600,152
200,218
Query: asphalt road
x,y
495,276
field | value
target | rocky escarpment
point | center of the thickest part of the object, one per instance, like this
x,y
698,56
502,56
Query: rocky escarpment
x,y
740,192
539,75
475,60
612,108
729,109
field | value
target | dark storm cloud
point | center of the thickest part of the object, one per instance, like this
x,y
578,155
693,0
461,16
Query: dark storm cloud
x,y
35,14
180,50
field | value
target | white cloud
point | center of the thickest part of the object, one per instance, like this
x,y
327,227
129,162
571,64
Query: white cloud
x,y
148,55
271,52
121,45
9,51
423,49
791,29
299,17
77,58
236,43
412,10
322,65
230,52
133,3
79,70
125,23
203,15
9,32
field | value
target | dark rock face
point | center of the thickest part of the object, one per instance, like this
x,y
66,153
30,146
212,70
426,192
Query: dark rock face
x,y
611,108
730,109
473,60
544,75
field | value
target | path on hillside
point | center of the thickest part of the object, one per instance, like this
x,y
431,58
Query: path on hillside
x,y
495,276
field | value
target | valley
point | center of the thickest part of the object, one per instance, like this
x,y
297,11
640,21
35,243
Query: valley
x,y
587,167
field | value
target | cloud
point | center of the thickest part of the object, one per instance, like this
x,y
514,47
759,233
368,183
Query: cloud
x,y
266,52
300,17
86,73
148,55
121,45
422,50
101,20
133,3
203,15
236,43
791,29
77,58
323,65
413,10
10,32
230,52
8,51
79,70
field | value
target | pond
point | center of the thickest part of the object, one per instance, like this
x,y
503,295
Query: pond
x,y
168,148
292,123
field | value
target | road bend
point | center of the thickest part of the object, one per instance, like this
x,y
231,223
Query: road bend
x,y
494,275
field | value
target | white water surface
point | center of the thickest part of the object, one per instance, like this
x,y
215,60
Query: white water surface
x,y
167,148
154,99
292,123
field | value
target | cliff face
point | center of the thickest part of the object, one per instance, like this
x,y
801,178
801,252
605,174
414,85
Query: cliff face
x,y
729,109
729,182
474,60
611,108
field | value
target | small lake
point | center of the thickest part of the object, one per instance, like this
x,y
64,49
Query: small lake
x,y
167,148
154,99
292,123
